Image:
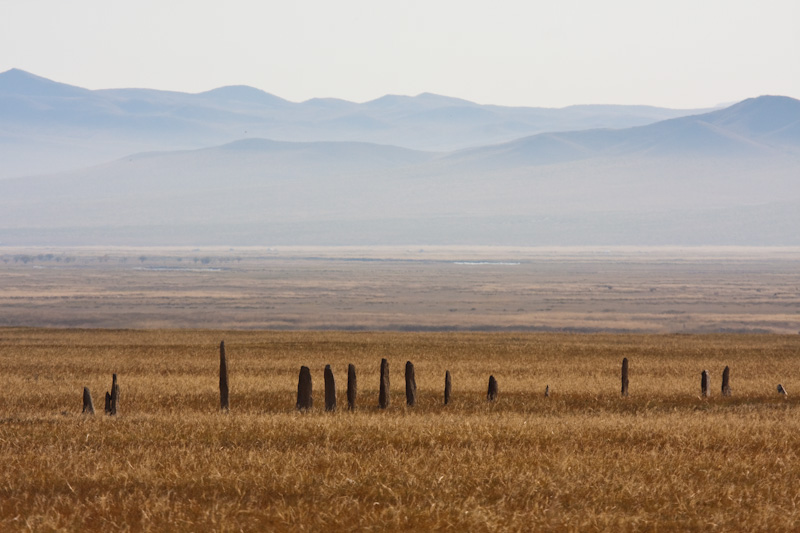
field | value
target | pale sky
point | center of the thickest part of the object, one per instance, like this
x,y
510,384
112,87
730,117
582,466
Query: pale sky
x,y
671,53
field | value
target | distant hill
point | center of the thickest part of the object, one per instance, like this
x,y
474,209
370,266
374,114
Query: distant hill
x,y
765,125
726,177
16,82
47,126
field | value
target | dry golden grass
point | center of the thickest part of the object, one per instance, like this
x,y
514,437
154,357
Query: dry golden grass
x,y
584,459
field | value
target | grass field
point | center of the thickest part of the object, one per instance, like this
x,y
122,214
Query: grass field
x,y
584,459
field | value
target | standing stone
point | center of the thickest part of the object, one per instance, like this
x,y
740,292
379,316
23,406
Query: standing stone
x,y
223,378
107,408
547,391
88,406
330,389
491,394
625,377
304,400
352,389
448,387
411,385
726,382
782,390
704,383
383,397
113,397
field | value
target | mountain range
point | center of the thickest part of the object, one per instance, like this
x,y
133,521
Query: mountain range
x,y
728,176
47,126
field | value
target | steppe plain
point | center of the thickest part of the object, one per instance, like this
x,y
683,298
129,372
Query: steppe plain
x,y
656,290
583,459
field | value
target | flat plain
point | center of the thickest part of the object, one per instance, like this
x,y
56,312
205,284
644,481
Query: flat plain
x,y
582,459
656,290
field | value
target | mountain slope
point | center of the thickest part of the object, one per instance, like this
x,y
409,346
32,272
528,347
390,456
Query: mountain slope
x,y
714,178
765,126
48,127
772,119
16,82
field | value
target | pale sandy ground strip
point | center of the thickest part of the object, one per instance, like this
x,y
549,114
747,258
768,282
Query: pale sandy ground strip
x,y
664,289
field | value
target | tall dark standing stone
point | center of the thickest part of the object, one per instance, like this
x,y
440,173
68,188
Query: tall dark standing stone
x,y
88,406
726,382
448,387
352,387
625,377
114,400
304,400
330,389
107,408
223,378
383,397
704,383
491,394
411,385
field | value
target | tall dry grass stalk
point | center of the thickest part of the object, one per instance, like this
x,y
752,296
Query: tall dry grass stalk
x,y
583,459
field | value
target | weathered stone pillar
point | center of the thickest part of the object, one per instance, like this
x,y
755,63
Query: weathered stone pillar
x,y
223,378
352,389
726,382
491,394
625,377
304,399
112,398
383,397
88,406
704,383
411,385
330,389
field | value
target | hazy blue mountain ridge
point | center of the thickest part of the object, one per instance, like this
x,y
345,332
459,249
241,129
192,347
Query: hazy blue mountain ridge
x,y
730,176
758,126
47,126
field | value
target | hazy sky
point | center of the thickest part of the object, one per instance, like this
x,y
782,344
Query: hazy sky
x,y
676,53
